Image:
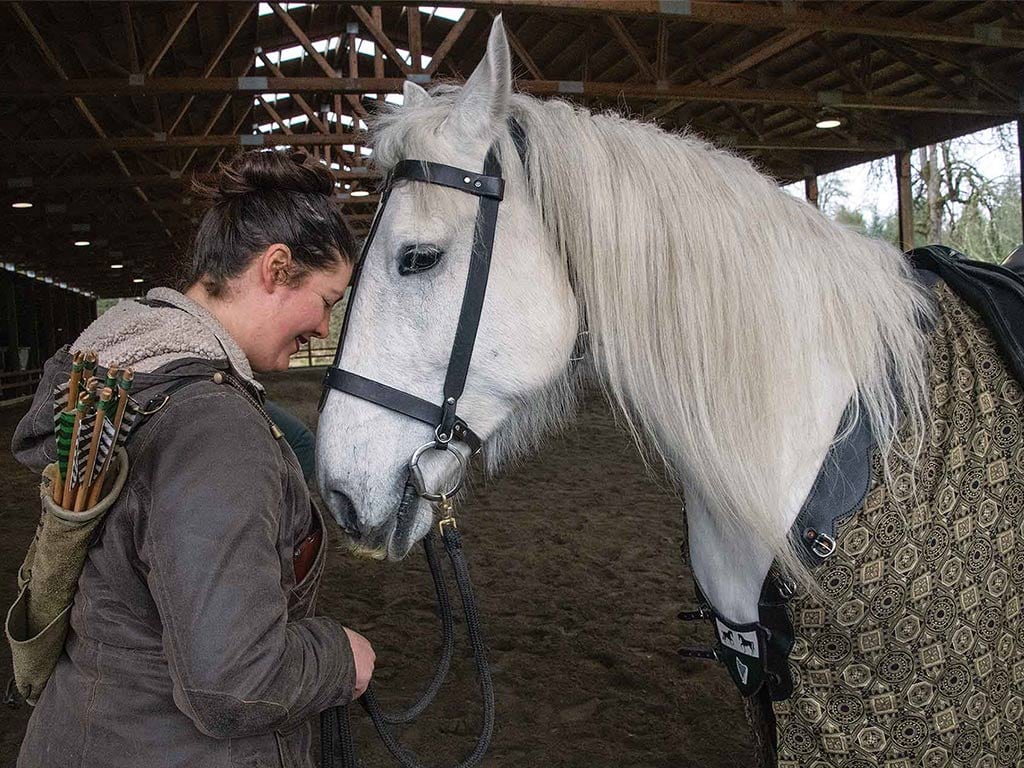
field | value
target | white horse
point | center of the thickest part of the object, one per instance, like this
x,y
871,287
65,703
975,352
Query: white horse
x,y
730,324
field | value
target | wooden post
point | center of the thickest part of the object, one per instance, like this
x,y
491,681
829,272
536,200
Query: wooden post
x,y
49,333
1020,171
10,318
905,200
811,190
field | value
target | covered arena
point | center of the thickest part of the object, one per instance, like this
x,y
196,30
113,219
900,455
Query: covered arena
x,y
110,110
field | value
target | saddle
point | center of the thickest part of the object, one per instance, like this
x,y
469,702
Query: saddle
x,y
995,292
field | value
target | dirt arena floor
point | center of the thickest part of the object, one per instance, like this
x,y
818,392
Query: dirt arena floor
x,y
575,557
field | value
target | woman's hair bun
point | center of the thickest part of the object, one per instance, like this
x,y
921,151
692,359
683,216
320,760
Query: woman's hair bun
x,y
267,171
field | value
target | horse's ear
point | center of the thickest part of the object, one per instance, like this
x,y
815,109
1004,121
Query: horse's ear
x,y
484,101
414,94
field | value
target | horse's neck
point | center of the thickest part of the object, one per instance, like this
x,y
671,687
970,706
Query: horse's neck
x,y
730,568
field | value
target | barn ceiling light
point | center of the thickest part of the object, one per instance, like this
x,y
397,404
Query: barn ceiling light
x,y
138,280
827,119
360,193
21,205
117,266
82,243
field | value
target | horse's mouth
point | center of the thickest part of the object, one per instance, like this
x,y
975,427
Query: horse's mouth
x,y
392,542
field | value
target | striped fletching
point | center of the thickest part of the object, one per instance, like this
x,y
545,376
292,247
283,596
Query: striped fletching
x,y
102,454
85,429
64,425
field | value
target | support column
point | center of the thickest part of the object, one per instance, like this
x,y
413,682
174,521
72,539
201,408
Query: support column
x,y
47,330
811,190
1020,171
28,320
10,319
905,199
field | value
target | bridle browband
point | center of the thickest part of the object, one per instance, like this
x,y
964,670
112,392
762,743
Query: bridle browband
x,y
489,186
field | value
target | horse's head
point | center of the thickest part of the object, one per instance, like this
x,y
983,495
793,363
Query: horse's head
x,y
406,308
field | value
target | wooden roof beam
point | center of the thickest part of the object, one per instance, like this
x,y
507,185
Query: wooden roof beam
x,y
211,65
129,33
106,144
629,45
52,60
381,38
442,51
757,55
172,179
30,90
170,37
319,139
764,16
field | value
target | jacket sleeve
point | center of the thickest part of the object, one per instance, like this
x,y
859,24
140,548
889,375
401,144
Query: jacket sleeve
x,y
211,544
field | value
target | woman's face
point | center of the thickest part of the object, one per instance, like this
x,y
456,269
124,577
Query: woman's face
x,y
295,313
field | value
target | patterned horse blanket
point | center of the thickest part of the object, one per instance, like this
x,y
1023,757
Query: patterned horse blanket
x,y
913,654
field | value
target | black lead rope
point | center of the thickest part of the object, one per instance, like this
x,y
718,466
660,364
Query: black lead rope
x,y
336,742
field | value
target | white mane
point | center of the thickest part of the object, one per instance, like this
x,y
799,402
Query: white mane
x,y
709,295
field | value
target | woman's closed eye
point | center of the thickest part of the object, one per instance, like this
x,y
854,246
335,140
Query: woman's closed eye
x,y
418,258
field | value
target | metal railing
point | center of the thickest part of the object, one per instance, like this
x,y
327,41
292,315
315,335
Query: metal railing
x,y
310,356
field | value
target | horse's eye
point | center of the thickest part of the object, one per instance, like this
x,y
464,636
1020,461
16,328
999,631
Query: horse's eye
x,y
418,258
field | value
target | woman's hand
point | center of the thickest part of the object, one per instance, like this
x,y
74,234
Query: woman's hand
x,y
364,658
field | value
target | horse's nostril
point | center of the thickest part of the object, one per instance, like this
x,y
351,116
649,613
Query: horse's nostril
x,y
344,512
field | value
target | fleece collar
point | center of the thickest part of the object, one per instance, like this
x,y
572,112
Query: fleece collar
x,y
147,336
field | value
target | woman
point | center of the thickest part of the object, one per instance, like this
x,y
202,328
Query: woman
x,y
192,642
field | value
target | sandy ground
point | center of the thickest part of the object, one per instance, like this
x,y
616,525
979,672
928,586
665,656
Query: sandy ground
x,y
575,558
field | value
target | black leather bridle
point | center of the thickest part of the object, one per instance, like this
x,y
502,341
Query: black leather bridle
x,y
489,186
337,746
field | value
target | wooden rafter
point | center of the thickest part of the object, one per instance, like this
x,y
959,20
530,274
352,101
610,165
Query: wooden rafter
x,y
442,51
274,116
764,16
170,37
211,65
129,34
923,68
757,55
524,55
86,113
629,44
652,91
381,38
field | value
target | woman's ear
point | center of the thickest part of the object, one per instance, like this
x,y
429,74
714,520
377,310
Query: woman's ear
x,y
275,267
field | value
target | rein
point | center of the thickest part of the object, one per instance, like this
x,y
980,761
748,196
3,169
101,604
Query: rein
x,y
337,747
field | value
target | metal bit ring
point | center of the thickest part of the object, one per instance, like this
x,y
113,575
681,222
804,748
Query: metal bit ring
x,y
420,483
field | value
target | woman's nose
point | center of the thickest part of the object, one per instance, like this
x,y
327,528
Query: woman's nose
x,y
324,328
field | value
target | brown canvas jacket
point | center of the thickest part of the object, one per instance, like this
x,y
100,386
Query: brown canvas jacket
x,y
190,642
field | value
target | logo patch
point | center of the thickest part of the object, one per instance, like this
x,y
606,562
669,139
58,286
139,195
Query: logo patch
x,y
735,640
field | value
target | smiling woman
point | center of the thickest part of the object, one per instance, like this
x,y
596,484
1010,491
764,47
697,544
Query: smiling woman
x,y
197,607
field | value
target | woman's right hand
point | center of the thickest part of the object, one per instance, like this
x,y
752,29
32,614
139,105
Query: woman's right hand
x,y
364,658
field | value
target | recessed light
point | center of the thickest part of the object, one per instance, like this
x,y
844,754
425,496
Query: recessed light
x,y
138,280
21,205
117,266
82,243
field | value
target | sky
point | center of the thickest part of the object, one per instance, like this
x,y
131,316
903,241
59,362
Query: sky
x,y
878,192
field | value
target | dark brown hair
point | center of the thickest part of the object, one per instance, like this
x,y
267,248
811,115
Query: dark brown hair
x,y
263,197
